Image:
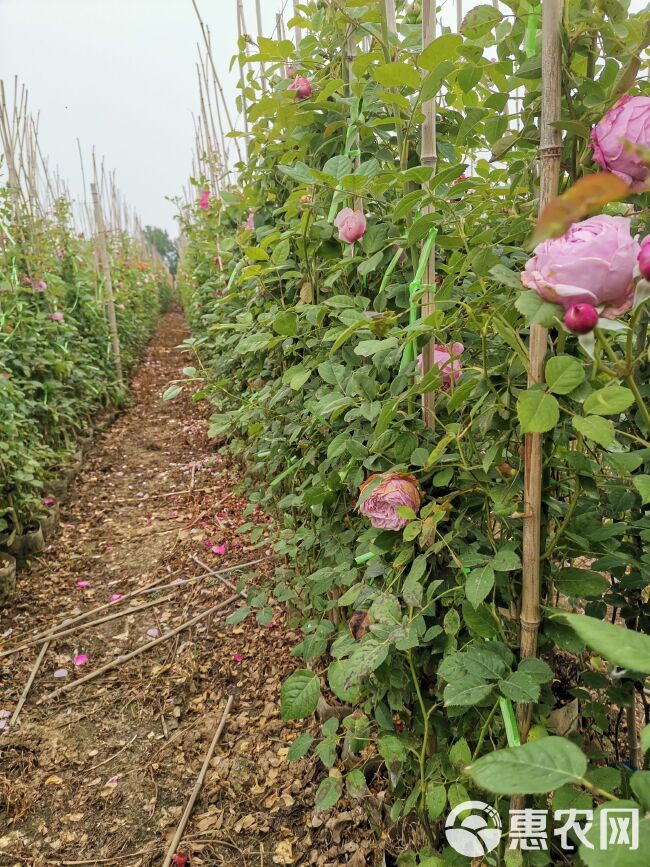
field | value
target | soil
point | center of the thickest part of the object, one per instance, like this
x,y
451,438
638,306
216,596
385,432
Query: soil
x,y
101,773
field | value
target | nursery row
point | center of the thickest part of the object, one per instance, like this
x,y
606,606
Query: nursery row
x,y
56,368
367,260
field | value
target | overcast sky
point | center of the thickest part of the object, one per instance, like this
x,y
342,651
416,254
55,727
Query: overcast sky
x,y
121,75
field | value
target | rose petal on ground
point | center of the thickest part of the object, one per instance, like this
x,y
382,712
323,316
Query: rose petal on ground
x,y
83,584
218,549
153,632
61,672
80,659
116,597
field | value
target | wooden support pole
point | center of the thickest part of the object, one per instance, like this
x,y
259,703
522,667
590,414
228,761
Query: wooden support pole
x,y
108,283
296,11
429,157
258,16
242,75
550,153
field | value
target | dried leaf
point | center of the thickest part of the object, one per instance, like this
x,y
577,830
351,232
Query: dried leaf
x,y
586,195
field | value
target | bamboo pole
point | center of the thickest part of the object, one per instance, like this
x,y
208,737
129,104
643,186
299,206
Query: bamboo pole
x,y
459,15
108,283
296,12
550,153
242,75
429,157
258,16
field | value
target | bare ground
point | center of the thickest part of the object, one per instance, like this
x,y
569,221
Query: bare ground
x,y
101,773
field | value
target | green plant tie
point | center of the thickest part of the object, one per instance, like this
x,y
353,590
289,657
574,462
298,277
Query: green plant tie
x,y
415,288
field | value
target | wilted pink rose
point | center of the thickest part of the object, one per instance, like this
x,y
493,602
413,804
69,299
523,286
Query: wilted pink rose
x,y
394,490
39,285
57,316
250,220
351,225
629,120
643,258
291,70
447,360
302,87
592,263
204,201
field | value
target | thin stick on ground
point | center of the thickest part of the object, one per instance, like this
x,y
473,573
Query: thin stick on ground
x,y
220,577
86,625
156,587
171,851
28,685
138,651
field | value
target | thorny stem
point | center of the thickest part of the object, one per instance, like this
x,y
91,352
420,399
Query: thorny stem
x,y
423,750
484,729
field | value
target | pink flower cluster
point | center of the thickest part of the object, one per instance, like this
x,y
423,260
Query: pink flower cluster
x,y
394,490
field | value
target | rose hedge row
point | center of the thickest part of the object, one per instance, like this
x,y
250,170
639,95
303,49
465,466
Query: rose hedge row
x,y
56,369
401,543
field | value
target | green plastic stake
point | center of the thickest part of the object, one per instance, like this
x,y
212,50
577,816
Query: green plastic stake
x,y
532,25
363,558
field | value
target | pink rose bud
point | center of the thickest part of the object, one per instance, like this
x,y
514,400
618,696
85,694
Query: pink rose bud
x,y
592,263
447,360
643,259
57,317
351,225
581,318
627,121
302,87
291,70
204,201
394,490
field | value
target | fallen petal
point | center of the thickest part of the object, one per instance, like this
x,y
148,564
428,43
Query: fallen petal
x,y
80,659
116,597
153,632
61,672
218,549
83,584
238,657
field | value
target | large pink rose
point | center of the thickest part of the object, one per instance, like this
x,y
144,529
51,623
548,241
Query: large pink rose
x,y
592,263
447,360
629,120
351,225
394,490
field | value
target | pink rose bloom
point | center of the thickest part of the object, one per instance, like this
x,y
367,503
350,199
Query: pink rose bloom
x,y
351,225
395,490
643,258
39,285
629,120
447,360
592,263
204,201
57,317
302,87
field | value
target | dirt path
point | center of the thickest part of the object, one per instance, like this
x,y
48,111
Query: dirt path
x,y
102,772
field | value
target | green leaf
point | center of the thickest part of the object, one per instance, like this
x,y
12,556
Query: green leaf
x,y
460,754
435,79
445,47
479,583
610,400
172,391
300,746
286,323
338,166
506,560
538,411
300,694
623,647
256,254
328,793
595,428
645,738
642,484
298,172
533,768
580,582
470,691
479,21
506,276
280,252
620,855
521,687
563,374
397,75
355,783
436,800
536,311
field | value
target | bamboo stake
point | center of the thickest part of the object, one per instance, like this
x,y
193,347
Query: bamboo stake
x,y
28,685
108,284
258,16
429,157
296,12
550,153
171,851
217,575
139,650
242,76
